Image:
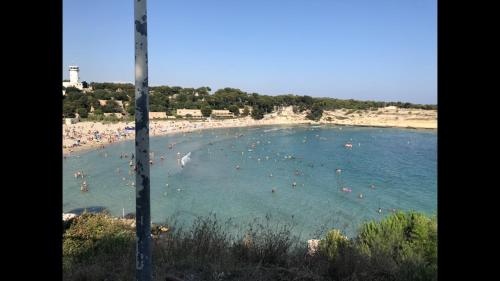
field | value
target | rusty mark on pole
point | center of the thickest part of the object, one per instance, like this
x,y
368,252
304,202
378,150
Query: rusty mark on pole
x,y
143,209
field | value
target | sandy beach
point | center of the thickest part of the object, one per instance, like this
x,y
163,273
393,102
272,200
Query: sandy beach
x,y
91,135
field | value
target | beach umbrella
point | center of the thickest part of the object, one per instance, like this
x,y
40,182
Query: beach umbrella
x,y
143,208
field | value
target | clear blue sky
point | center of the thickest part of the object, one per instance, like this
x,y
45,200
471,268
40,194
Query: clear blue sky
x,y
360,49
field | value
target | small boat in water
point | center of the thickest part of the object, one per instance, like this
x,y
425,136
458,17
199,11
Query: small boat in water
x,y
185,159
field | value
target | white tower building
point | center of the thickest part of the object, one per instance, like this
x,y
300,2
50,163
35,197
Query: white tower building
x,y
74,74
74,78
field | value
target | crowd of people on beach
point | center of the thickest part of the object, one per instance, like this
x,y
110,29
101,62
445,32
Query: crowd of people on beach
x,y
89,134
77,136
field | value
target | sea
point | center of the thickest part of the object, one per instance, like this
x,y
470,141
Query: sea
x,y
303,176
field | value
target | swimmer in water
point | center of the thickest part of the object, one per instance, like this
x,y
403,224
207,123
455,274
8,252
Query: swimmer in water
x,y
271,174
338,171
294,184
273,191
237,167
84,187
360,196
380,210
372,186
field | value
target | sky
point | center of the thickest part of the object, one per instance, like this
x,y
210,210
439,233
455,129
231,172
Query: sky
x,y
383,50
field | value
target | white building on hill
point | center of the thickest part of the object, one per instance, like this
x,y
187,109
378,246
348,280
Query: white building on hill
x,y
74,78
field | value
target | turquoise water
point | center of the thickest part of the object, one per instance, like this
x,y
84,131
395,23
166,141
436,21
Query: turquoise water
x,y
400,163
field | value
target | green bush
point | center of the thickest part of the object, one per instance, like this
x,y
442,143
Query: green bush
x,y
316,113
206,111
234,109
406,240
83,112
332,243
257,114
401,247
95,247
246,111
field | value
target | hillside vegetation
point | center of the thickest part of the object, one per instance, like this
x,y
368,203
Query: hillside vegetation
x,y
402,246
168,99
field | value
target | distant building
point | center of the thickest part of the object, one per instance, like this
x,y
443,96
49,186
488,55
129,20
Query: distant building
x,y
222,113
74,80
157,115
116,114
195,113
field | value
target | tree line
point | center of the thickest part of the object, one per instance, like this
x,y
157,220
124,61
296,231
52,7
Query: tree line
x,y
169,99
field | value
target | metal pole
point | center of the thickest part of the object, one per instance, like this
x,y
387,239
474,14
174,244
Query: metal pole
x,y
143,216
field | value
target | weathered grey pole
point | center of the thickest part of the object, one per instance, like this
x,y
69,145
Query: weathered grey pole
x,y
143,216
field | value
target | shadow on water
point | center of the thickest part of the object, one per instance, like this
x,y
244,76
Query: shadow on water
x,y
93,209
